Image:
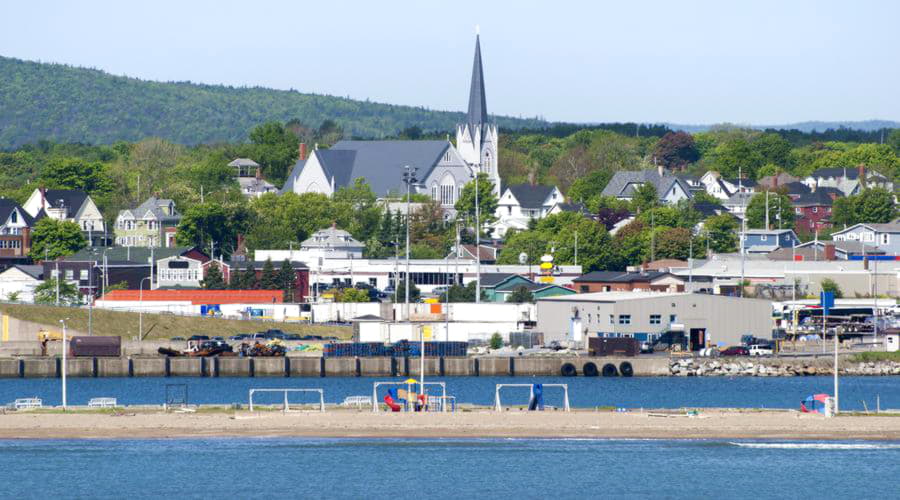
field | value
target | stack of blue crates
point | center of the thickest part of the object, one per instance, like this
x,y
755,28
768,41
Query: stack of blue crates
x,y
400,349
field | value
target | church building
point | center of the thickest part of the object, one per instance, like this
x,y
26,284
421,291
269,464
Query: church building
x,y
442,168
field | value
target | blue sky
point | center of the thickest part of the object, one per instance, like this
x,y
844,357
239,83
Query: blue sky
x,y
753,62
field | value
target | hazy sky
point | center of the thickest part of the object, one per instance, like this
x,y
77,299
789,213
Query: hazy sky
x,y
760,62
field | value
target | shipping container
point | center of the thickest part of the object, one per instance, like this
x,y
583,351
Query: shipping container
x,y
599,346
82,346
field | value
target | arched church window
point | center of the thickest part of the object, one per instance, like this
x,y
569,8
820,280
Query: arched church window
x,y
434,191
448,190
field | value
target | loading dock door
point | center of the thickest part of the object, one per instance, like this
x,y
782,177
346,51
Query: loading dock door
x,y
698,338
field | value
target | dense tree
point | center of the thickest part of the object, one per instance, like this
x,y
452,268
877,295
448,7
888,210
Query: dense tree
x,y
244,279
276,149
520,295
672,243
874,206
46,292
350,295
269,278
781,211
213,226
676,150
645,197
52,239
214,280
414,292
76,173
459,293
487,200
287,278
722,232
280,220
589,186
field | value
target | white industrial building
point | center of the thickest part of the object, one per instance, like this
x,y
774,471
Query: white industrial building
x,y
709,320
426,274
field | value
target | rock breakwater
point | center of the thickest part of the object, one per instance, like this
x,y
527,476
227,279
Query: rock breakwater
x,y
777,367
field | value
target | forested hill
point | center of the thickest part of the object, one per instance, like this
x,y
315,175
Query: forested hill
x,y
67,104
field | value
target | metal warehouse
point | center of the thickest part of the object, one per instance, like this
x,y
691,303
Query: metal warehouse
x,y
709,319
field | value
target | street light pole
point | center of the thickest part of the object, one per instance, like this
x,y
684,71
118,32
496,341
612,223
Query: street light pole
x,y
409,177
477,242
141,310
64,402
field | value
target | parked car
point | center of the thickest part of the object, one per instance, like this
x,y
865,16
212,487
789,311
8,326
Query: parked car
x,y
761,350
240,336
198,337
737,350
292,336
177,338
217,337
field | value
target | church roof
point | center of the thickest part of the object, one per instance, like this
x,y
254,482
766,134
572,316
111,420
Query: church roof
x,y
477,101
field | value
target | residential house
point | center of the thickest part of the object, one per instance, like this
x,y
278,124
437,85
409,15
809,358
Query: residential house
x,y
669,188
69,205
813,210
248,174
774,181
94,269
763,241
849,181
694,183
148,224
442,167
15,233
619,281
573,207
19,281
487,253
522,203
739,185
884,236
712,183
738,202
179,271
331,243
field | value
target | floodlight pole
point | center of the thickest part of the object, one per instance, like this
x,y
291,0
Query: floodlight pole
x,y
64,402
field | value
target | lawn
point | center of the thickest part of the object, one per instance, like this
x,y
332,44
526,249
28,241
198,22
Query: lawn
x,y
158,326
876,356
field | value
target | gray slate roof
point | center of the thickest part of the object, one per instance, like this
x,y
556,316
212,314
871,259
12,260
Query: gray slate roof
x,y
331,237
35,271
625,182
821,197
243,162
155,206
530,196
136,255
381,163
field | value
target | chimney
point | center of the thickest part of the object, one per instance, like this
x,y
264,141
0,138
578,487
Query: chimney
x,y
775,181
302,151
862,175
659,170
26,240
829,251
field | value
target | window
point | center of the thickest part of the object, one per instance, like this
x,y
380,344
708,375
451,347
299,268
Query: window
x,y
584,289
798,210
884,238
673,318
14,217
815,210
763,237
624,319
612,320
70,274
589,317
655,319
373,282
83,275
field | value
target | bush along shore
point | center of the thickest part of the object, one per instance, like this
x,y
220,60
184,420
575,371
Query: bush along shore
x,y
774,367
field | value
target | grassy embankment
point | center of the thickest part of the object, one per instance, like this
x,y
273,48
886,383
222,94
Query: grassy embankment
x,y
865,357
157,326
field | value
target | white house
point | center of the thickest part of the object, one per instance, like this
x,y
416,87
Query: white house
x,y
849,180
521,203
19,282
669,188
884,236
178,271
442,168
68,205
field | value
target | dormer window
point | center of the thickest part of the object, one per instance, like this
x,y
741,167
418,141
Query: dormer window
x,y
14,217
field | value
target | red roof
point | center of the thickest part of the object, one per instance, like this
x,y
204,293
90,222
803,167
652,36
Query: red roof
x,y
200,296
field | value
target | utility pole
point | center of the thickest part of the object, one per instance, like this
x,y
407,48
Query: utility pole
x,y
576,248
477,242
743,227
691,264
58,277
652,237
409,177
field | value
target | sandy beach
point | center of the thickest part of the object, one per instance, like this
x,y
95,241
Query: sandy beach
x,y
711,424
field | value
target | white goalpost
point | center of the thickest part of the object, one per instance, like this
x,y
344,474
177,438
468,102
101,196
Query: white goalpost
x,y
286,407
564,387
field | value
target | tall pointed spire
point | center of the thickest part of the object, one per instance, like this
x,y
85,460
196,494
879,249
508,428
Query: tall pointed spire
x,y
477,102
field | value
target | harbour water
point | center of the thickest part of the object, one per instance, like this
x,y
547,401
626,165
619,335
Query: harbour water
x,y
637,392
446,468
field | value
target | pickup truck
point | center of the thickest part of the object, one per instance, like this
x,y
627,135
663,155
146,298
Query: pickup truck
x,y
761,350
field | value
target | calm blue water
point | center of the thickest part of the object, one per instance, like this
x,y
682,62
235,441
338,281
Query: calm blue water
x,y
637,392
446,468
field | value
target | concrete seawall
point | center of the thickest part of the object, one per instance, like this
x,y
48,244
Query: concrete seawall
x,y
158,366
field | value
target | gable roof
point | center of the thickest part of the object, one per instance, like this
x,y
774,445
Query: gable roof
x,y
797,188
71,199
708,209
331,237
530,195
890,227
489,280
836,172
136,255
624,182
843,246
35,271
380,163
154,205
578,208
243,162
619,276
6,208
823,196
467,251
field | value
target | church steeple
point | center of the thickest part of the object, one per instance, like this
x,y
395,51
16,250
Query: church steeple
x,y
477,101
